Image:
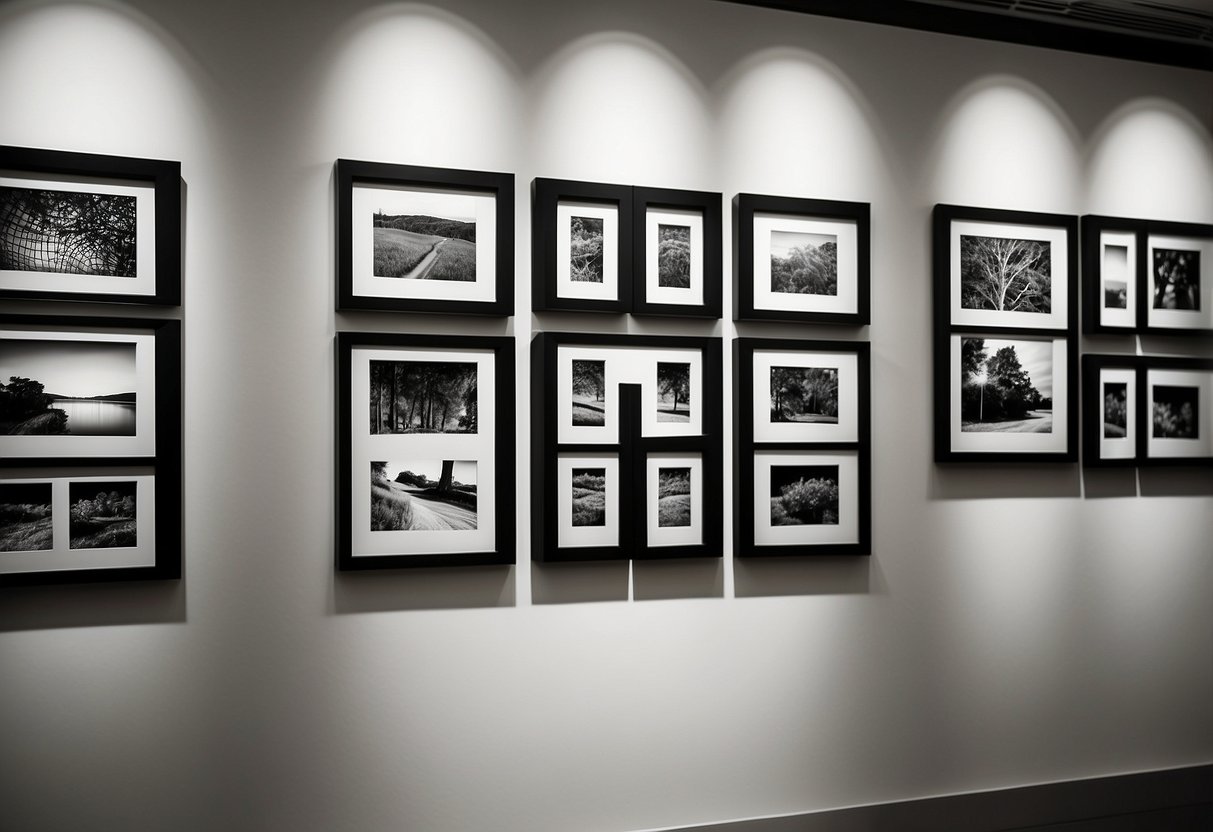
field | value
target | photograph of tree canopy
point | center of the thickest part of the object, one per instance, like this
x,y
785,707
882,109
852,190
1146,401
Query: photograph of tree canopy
x,y
425,494
1115,409
589,496
585,249
434,238
67,232
804,394
25,517
1006,385
589,392
674,256
803,263
804,495
423,397
1002,274
1115,272
673,497
673,391
102,514
59,387
1176,279
1176,412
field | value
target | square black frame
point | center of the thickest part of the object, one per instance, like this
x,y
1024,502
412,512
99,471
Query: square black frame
x,y
746,205
631,449
707,202
1154,228
1145,416
165,464
349,173
504,549
163,176
942,218
746,446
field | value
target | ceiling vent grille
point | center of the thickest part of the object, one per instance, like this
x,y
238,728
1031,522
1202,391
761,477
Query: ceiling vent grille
x,y
1139,17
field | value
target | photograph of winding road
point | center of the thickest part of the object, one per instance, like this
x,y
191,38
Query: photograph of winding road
x,y
1006,386
425,235
424,494
53,387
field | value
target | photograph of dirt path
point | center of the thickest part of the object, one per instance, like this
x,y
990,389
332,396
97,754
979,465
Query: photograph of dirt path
x,y
425,236
423,494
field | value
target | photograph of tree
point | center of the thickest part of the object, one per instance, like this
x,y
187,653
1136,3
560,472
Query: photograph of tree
x,y
1176,279
25,516
102,514
674,256
804,495
426,494
1115,273
804,394
68,232
1115,409
81,388
425,236
589,392
585,249
804,264
1176,412
673,497
423,397
589,496
1001,274
673,392
1006,386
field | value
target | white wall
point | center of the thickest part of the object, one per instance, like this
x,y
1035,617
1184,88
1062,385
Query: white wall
x,y
1014,625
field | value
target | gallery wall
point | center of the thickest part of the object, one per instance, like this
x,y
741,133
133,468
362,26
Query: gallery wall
x,y
1014,625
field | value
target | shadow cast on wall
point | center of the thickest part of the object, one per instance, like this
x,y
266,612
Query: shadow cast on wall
x,y
439,588
829,575
93,605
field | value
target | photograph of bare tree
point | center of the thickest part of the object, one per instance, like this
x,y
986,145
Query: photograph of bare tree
x,y
425,236
1115,409
804,495
423,494
1115,273
589,496
589,392
1176,412
585,249
804,394
1006,385
423,397
803,263
59,387
25,517
67,232
1176,279
1002,274
673,391
102,514
674,497
674,256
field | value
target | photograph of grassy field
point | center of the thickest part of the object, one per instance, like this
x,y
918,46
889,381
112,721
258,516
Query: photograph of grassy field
x,y
589,392
589,496
25,517
424,247
102,514
674,497
427,494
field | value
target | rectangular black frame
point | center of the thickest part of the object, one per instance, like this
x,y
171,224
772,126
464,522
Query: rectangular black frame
x,y
1145,416
349,172
502,348
632,450
709,203
745,205
1092,408
163,176
746,447
165,464
942,218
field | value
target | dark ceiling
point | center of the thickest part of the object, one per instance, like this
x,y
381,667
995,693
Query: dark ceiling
x,y
1172,32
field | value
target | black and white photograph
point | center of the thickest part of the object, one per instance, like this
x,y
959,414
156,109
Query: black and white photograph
x,y
428,236
423,397
1116,271
1003,274
589,392
589,496
1109,410
26,523
102,515
1176,279
64,387
677,250
673,496
423,495
804,394
1175,412
804,263
673,256
804,495
68,232
1115,409
1006,385
586,253
673,392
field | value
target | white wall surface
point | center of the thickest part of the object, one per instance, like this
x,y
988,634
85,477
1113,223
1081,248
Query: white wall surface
x,y
1014,626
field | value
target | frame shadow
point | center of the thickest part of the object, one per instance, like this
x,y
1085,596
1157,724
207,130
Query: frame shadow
x,y
579,581
92,605
436,588
663,580
808,575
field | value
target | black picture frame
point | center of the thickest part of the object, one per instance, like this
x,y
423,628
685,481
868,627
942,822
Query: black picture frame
x,y
1024,330
1100,233
803,214
462,190
135,182
648,299
161,469
629,452
1111,375
1155,449
1154,320
494,445
845,445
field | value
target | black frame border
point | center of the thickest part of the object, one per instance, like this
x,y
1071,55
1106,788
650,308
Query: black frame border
x,y
1151,228
1092,272
707,202
1092,408
1145,417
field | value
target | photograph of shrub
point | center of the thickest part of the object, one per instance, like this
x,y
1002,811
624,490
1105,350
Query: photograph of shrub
x,y
674,256
1115,274
426,494
102,514
68,232
804,495
585,249
25,517
1115,409
673,391
804,264
589,392
423,397
1176,279
1006,385
60,387
434,240
1176,412
804,394
1005,275
674,497
589,496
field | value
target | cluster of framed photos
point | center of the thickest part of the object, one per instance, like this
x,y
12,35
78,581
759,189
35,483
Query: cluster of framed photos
x,y
90,407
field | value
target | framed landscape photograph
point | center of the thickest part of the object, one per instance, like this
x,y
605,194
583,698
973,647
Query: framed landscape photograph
x,y
425,451
1112,264
803,452
420,239
801,260
1175,411
1110,409
581,243
676,253
87,227
1178,278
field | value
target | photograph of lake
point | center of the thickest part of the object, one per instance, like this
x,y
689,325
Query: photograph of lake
x,y
78,388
